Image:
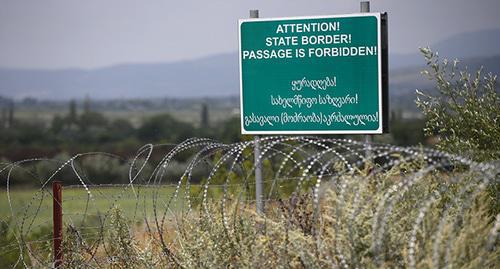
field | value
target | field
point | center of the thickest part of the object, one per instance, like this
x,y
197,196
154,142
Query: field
x,y
30,205
134,111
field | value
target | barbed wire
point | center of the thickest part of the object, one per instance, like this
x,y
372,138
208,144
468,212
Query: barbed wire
x,y
222,176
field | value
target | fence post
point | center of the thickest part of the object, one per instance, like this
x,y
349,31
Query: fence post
x,y
57,218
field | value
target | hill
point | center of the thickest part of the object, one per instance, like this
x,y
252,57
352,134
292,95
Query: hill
x,y
217,76
466,45
404,81
211,76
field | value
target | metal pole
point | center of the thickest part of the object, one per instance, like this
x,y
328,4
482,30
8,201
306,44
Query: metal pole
x,y
57,218
254,14
364,7
256,152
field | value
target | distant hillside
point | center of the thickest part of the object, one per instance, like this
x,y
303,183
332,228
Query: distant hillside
x,y
217,76
462,46
211,76
404,81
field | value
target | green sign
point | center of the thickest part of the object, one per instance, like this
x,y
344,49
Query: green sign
x,y
313,75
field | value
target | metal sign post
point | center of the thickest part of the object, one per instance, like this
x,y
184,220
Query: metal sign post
x,y
365,8
257,162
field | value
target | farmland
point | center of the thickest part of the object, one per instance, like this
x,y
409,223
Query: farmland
x,y
78,205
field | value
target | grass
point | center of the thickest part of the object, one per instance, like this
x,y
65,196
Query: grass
x,y
35,206
405,216
421,231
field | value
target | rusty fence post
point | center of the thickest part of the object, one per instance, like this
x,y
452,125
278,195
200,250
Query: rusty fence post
x,y
57,217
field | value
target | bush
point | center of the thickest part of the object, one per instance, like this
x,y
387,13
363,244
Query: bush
x,y
431,225
465,113
405,217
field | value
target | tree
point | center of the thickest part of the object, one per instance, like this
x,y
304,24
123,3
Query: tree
x,y
10,120
86,104
204,116
229,130
3,123
120,129
72,117
465,112
164,128
57,124
92,119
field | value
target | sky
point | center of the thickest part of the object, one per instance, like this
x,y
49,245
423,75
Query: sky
x,y
55,34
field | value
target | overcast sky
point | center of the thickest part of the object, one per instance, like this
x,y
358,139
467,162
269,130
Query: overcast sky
x,y
95,33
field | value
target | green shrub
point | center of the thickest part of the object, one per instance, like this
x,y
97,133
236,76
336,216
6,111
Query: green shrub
x,y
465,112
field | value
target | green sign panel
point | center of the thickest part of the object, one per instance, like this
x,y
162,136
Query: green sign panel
x,y
313,75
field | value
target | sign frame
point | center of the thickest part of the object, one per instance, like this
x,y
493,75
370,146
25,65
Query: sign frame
x,y
383,78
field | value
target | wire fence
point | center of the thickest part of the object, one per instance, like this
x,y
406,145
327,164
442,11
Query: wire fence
x,y
207,178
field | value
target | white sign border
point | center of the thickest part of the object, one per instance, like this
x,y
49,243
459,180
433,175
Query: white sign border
x,y
377,15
